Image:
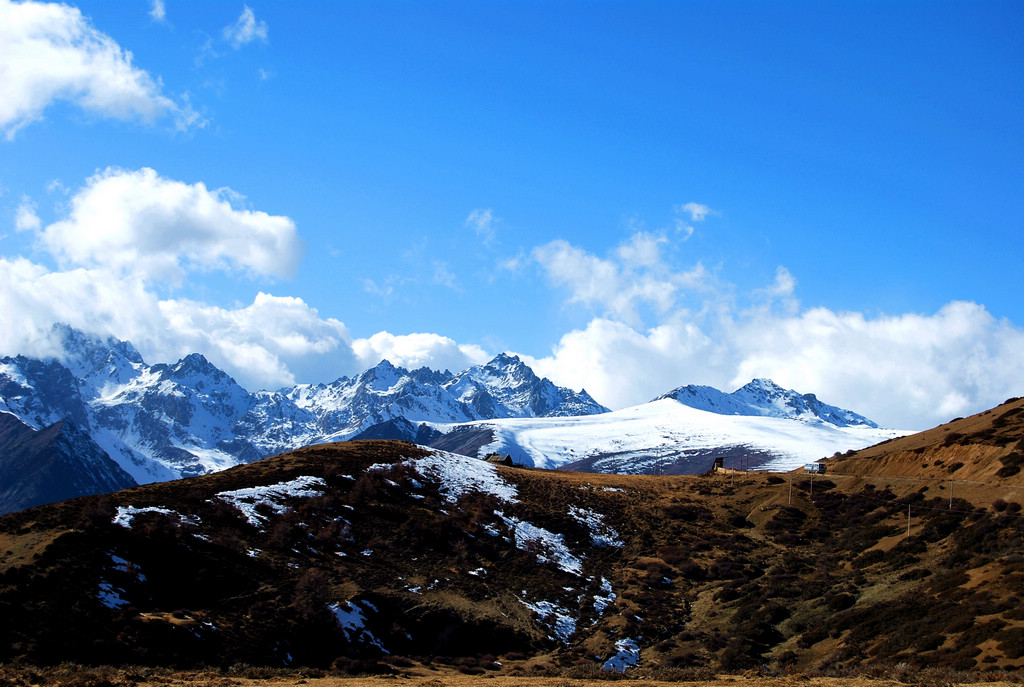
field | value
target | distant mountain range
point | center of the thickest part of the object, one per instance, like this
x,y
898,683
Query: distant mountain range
x,y
165,421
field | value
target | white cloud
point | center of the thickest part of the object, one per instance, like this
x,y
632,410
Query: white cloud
x,y
245,30
622,366
158,228
272,342
635,277
157,10
697,211
443,276
275,341
25,218
910,370
482,222
50,52
413,351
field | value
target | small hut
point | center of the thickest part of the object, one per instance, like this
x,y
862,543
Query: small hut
x,y
499,459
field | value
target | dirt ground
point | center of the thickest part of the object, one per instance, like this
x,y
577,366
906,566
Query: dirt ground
x,y
70,675
458,680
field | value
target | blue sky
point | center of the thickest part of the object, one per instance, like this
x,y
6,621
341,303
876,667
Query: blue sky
x,y
631,196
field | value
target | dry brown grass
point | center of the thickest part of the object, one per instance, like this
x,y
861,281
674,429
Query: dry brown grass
x,y
70,675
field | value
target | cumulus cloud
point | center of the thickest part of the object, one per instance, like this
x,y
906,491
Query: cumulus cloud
x,y
275,341
912,369
272,342
246,29
908,370
140,222
50,52
413,351
157,10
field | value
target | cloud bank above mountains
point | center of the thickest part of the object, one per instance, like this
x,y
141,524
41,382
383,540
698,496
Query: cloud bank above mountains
x,y
138,253
126,236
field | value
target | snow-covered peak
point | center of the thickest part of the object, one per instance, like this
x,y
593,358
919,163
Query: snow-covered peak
x,y
382,377
507,387
83,354
764,397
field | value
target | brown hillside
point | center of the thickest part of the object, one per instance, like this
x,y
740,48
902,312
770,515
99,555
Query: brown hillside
x,y
514,571
981,458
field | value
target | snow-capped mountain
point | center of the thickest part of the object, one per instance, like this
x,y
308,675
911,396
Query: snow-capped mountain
x,y
165,421
765,398
506,387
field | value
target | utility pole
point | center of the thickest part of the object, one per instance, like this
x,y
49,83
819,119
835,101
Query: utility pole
x,y
790,489
908,519
951,494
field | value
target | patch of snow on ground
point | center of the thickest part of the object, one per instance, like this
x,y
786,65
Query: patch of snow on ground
x,y
601,603
628,655
126,566
352,621
457,475
110,596
557,619
247,499
601,534
550,547
126,513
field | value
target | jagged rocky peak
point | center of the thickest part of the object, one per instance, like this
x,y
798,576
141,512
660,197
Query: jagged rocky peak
x,y
196,369
513,367
82,354
382,376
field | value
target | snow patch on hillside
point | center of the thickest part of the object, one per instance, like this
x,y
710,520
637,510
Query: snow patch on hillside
x,y
457,475
556,618
246,500
550,547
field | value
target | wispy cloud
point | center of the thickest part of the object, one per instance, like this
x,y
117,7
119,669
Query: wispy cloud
x,y
157,10
690,212
482,221
50,52
246,29
25,218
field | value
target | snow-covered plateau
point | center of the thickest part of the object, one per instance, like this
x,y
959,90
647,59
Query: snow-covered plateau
x,y
667,436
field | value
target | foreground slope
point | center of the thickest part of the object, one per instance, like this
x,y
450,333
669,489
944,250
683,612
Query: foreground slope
x,y
350,553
